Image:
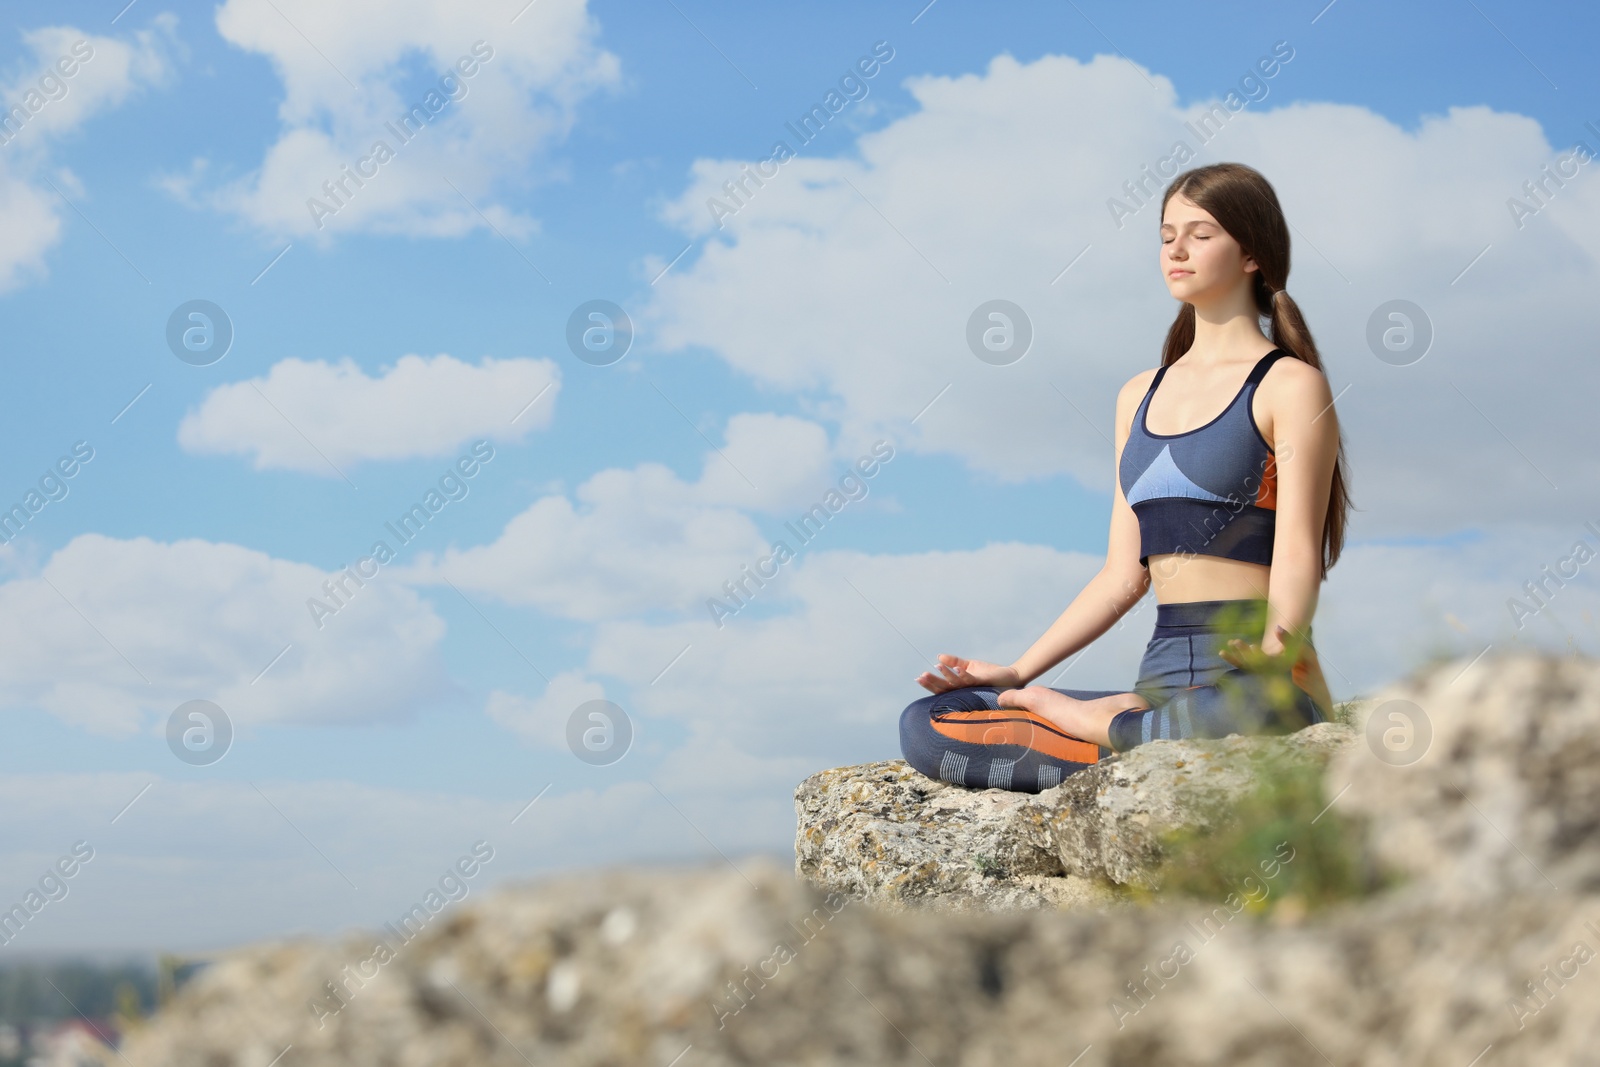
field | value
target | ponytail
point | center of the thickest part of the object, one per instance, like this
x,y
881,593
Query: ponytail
x,y
1289,332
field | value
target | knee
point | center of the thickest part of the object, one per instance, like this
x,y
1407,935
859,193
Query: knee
x,y
922,708
1266,704
915,723
921,743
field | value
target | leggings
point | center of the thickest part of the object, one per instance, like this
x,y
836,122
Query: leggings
x,y
964,737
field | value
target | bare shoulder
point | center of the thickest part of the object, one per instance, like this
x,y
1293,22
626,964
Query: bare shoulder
x,y
1135,387
1294,381
1128,398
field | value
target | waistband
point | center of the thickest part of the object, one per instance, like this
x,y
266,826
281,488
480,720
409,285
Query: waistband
x,y
1246,616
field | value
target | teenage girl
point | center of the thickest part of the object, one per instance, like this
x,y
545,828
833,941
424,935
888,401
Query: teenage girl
x,y
1230,502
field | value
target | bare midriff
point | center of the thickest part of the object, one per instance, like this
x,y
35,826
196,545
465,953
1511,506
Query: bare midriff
x,y
1181,579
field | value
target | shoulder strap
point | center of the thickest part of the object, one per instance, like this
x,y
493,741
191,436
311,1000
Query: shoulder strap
x,y
1160,372
1259,371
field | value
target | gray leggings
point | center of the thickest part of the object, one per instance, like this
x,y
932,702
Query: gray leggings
x,y
964,736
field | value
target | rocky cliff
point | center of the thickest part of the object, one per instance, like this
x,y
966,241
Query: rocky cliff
x,y
1474,787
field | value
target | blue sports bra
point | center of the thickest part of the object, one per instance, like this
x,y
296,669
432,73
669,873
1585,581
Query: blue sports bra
x,y
1212,491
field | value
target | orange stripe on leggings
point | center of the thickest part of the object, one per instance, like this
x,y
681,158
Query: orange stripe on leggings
x,y
1014,726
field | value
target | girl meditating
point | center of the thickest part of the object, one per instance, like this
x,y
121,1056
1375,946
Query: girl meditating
x,y
1230,501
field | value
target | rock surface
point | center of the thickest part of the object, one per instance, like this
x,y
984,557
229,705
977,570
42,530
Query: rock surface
x,y
885,833
1504,788
684,968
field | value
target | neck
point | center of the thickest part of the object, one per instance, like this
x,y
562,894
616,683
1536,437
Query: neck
x,y
1225,331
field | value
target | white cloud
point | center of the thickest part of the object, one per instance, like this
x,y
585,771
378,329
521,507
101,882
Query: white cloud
x,y
350,68
853,279
105,73
417,408
42,104
543,722
644,539
767,463
113,635
31,219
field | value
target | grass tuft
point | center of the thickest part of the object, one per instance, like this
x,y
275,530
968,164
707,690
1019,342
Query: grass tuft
x,y
1283,846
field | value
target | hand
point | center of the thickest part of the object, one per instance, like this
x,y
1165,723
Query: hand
x,y
953,672
1275,655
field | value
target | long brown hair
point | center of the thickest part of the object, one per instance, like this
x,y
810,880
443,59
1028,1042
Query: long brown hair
x,y
1245,205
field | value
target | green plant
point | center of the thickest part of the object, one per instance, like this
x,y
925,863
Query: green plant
x,y
1282,845
987,867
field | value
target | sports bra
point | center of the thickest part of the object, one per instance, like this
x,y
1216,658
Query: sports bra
x,y
1212,491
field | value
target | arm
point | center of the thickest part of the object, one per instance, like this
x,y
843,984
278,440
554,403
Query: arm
x,y
1105,598
1305,436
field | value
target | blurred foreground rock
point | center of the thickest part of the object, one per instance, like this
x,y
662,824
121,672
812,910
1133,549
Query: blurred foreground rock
x,y
1507,796
1486,955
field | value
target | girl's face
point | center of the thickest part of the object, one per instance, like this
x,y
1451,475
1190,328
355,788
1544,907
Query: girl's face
x,y
1199,260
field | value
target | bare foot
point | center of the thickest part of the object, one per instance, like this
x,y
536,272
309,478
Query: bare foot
x,y
1089,720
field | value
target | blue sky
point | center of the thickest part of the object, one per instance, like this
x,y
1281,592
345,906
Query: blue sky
x,y
770,354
